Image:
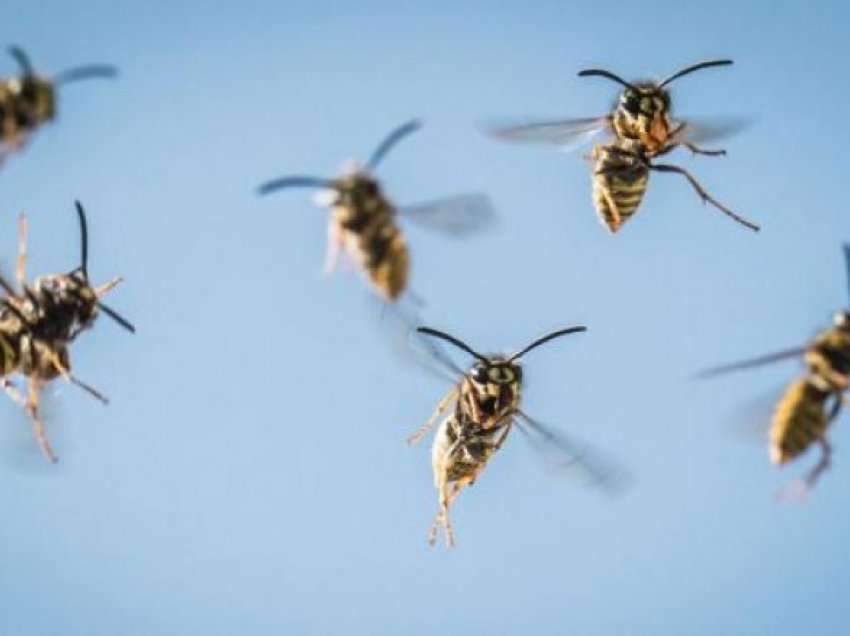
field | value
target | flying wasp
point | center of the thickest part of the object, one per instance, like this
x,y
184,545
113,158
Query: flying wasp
x,y
482,408
642,128
811,403
363,222
28,101
38,322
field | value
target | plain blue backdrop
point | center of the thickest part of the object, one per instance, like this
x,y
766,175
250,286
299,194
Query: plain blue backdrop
x,y
250,475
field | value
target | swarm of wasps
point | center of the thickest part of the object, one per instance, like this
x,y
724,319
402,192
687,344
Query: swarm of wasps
x,y
39,321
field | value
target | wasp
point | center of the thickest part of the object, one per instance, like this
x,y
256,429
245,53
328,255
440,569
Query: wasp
x,y
363,221
38,323
642,128
478,413
29,100
811,403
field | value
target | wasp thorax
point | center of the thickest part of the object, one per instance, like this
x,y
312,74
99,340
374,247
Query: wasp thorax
x,y
647,100
36,98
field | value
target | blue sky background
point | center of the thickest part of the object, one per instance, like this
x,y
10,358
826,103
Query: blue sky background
x,y
250,475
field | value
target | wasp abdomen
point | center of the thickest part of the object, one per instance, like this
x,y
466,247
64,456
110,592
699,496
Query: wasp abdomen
x,y
384,255
800,419
620,179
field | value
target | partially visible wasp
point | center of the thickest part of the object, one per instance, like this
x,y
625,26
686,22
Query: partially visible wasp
x,y
38,322
363,222
812,402
642,129
486,403
28,101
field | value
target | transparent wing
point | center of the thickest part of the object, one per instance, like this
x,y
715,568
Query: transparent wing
x,y
569,134
570,455
433,358
707,129
458,216
752,362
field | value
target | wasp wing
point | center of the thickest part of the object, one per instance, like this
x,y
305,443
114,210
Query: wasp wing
x,y
752,362
569,134
433,358
707,129
566,453
458,216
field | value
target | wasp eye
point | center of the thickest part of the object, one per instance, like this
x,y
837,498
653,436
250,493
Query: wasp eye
x,y
479,374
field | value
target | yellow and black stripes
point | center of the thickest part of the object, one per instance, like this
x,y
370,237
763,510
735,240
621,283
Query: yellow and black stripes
x,y
366,223
620,179
799,420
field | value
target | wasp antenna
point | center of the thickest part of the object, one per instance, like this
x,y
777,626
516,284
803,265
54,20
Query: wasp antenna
x,y
22,59
391,140
84,240
546,338
90,71
294,181
695,67
97,395
459,344
588,72
117,317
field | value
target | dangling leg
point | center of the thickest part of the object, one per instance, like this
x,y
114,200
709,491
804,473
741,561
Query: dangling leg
x,y
107,287
14,393
69,377
823,464
706,198
448,494
334,246
33,387
21,270
427,426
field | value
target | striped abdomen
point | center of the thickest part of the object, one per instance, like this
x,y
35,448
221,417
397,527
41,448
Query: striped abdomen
x,y
10,348
800,419
619,182
461,451
377,245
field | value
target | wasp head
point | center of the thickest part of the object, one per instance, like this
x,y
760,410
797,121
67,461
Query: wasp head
x,y
65,304
37,98
496,375
643,111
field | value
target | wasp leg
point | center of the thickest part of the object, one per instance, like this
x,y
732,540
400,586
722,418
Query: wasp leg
x,y
706,198
699,151
823,464
21,269
427,426
447,496
14,393
33,387
107,287
69,377
334,246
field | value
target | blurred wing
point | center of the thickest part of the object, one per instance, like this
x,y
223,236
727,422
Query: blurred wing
x,y
569,134
752,362
433,358
707,129
567,454
459,215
